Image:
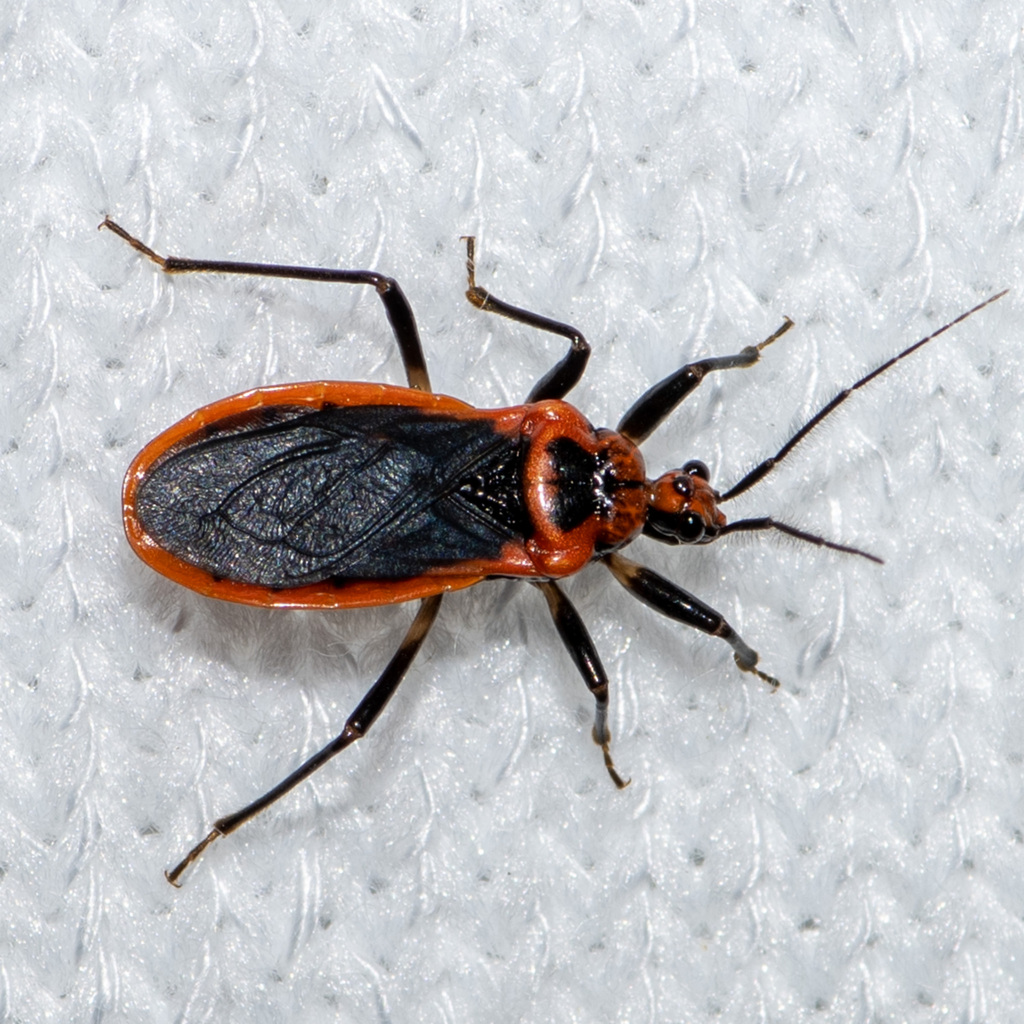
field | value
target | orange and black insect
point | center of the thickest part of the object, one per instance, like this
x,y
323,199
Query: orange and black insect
x,y
340,495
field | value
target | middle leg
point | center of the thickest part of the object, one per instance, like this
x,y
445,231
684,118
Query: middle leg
x,y
565,375
583,652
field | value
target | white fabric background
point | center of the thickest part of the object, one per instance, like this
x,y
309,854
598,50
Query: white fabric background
x,y
673,178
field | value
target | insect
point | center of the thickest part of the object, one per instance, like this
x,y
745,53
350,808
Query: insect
x,y
335,494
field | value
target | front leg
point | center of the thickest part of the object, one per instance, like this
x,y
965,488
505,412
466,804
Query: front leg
x,y
665,597
658,401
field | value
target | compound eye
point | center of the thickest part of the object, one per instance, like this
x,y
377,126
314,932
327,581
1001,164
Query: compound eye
x,y
691,528
697,468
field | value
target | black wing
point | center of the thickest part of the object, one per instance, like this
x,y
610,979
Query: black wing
x,y
286,497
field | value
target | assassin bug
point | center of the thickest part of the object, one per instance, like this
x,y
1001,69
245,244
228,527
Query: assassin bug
x,y
340,495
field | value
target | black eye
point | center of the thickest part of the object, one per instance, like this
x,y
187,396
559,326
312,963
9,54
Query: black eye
x,y
691,528
697,468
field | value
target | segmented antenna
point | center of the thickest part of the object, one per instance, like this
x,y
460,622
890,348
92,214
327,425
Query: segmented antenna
x,y
758,473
